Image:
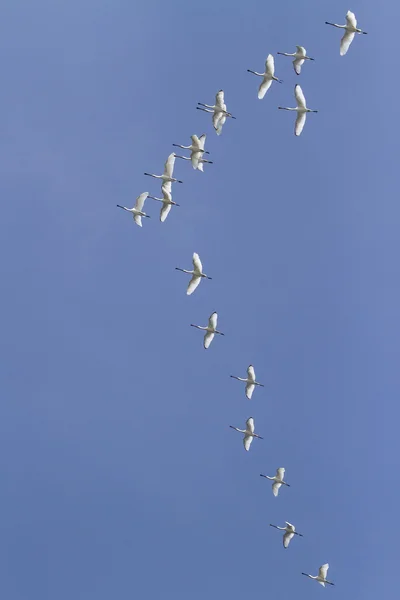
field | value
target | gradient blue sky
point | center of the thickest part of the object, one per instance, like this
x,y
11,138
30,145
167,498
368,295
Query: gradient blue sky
x,y
119,475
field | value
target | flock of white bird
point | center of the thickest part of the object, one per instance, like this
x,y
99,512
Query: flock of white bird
x,y
219,115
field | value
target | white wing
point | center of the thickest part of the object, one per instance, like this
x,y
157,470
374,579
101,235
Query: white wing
x,y
323,571
164,212
264,87
270,65
351,19
197,263
208,338
169,165
138,220
346,41
275,488
217,117
300,120
286,539
140,201
250,424
195,157
297,64
247,442
212,321
301,50
251,373
195,141
166,188
221,123
193,284
280,473
219,99
249,390
202,141
292,527
301,101
200,167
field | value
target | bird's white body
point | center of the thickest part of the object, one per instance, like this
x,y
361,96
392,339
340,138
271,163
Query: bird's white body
x,y
166,177
350,30
211,329
301,110
218,111
166,200
299,57
321,577
248,433
137,210
196,151
290,532
250,381
197,275
268,76
278,480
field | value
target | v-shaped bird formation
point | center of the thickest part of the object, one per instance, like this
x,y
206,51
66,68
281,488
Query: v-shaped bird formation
x,y
197,150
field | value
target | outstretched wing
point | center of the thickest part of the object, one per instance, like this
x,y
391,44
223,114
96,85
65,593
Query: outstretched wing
x,y
297,64
301,50
323,571
140,200
164,212
219,99
193,284
166,188
345,42
247,442
264,87
208,338
249,390
270,65
286,539
275,488
221,123
217,117
300,99
198,267
169,165
351,19
250,424
299,125
212,321
202,141
195,158
280,472
138,220
251,373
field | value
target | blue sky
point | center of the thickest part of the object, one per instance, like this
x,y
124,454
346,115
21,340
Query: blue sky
x,y
119,474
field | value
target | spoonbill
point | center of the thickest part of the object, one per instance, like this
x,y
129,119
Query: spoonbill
x,y
197,161
268,76
290,532
299,57
278,480
210,330
196,145
301,109
166,201
137,211
168,170
197,274
248,433
350,30
321,577
219,111
250,381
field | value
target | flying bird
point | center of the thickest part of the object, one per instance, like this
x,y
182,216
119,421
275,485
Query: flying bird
x,y
299,57
301,110
168,170
196,150
321,577
250,381
278,480
210,330
290,532
268,76
219,111
137,211
197,274
350,30
248,433
166,201
197,161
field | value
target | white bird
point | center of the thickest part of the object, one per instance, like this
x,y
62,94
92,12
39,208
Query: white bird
x,y
168,170
350,30
290,532
248,433
250,381
196,150
278,480
301,109
219,111
137,211
197,274
196,159
321,577
166,200
268,76
299,57
210,330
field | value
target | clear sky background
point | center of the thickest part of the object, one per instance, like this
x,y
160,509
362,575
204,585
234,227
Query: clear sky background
x,y
120,477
